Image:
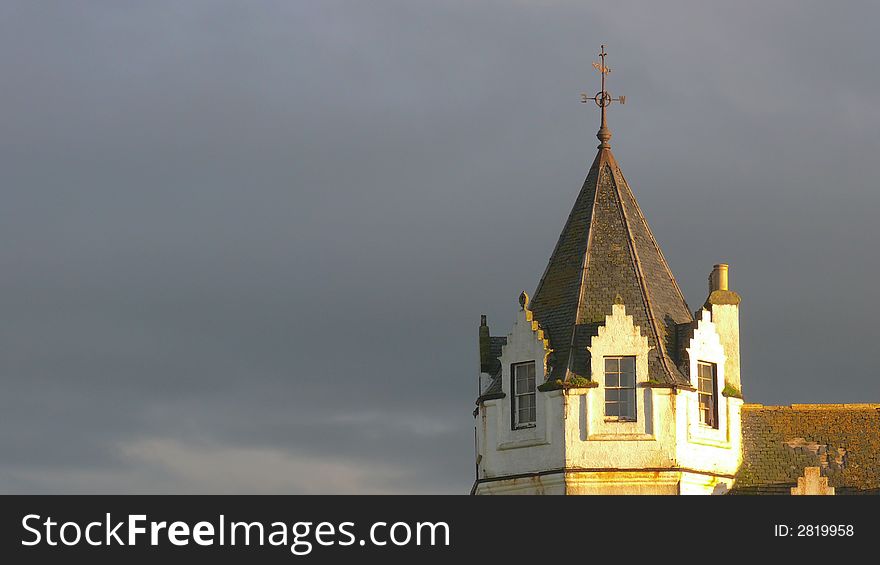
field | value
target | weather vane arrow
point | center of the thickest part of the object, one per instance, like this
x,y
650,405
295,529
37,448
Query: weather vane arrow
x,y
603,99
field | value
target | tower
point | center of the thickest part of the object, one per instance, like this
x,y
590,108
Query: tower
x,y
607,383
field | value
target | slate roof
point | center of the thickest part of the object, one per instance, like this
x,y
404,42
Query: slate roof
x,y
779,441
607,252
495,345
493,388
492,364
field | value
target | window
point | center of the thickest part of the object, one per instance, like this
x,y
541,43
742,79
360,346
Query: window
x,y
523,408
708,394
620,388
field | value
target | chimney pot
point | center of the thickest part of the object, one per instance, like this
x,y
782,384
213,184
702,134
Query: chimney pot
x,y
718,278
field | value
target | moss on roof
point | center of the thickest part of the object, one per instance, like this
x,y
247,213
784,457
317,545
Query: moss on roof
x,y
779,441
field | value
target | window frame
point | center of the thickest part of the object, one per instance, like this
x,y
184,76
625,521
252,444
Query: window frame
x,y
631,399
515,397
712,395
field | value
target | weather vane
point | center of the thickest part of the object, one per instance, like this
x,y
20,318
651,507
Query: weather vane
x,y
603,99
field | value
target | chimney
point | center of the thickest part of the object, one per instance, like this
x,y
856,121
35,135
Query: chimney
x,y
718,278
484,344
724,305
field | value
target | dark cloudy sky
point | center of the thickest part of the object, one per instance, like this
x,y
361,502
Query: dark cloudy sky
x,y
244,246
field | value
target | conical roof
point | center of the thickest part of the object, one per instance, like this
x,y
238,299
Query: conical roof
x,y
607,254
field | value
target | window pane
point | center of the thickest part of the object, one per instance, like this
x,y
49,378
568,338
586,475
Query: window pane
x,y
620,382
524,378
523,397
525,409
705,370
708,392
612,364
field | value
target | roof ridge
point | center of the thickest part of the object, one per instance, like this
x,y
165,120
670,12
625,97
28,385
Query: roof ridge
x,y
640,275
815,406
567,221
598,163
654,240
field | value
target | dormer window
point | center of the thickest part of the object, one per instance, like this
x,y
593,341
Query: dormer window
x,y
620,388
523,398
708,393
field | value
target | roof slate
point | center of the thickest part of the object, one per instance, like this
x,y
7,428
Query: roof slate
x,y
492,364
779,441
607,253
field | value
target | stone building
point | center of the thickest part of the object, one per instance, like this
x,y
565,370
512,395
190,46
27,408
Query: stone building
x,y
608,383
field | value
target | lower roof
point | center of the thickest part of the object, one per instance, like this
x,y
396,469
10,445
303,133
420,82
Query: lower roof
x,y
843,440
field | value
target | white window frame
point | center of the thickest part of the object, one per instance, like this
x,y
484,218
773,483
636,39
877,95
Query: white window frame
x,y
516,395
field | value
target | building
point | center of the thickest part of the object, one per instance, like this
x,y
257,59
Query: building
x,y
608,383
